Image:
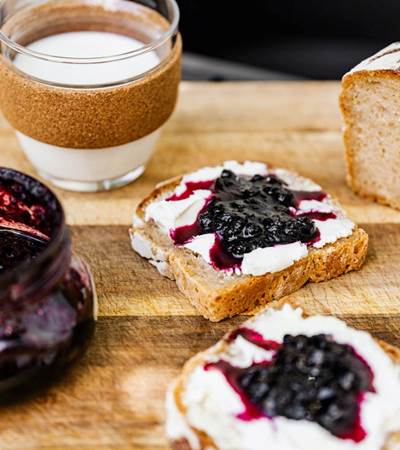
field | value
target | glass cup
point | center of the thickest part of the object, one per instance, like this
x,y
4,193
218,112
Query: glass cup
x,y
88,84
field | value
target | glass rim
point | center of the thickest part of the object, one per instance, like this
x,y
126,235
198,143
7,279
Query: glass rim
x,y
151,46
25,269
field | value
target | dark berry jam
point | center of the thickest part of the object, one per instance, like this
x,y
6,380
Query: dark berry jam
x,y
251,213
255,338
28,219
300,196
27,205
308,378
221,259
246,213
40,338
47,299
184,234
317,215
17,247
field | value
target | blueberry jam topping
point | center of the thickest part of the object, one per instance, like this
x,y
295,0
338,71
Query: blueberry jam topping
x,y
251,213
246,213
308,378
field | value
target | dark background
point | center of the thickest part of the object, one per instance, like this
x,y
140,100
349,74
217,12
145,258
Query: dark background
x,y
317,39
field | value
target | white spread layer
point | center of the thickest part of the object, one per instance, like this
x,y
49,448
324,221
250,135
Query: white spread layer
x,y
333,229
386,59
173,214
202,245
212,405
242,353
272,259
315,206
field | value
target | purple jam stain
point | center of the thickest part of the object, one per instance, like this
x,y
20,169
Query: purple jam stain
x,y
255,338
182,235
335,402
300,196
221,259
191,186
357,433
315,240
232,375
312,195
368,369
318,215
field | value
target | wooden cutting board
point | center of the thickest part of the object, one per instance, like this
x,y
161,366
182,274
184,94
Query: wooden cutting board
x,y
114,398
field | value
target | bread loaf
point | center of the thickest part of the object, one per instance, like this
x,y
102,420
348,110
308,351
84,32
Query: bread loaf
x,y
370,104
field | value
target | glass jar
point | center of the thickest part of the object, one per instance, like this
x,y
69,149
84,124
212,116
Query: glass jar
x,y
47,296
88,85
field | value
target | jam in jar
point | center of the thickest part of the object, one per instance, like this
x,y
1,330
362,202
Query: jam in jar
x,y
47,296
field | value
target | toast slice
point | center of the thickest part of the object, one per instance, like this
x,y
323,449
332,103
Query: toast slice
x,y
217,294
370,104
207,411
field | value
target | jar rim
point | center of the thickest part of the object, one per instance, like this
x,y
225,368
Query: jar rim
x,y
151,46
60,232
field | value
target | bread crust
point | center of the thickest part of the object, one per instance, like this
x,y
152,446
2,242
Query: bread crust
x,y
347,82
206,443
218,297
251,292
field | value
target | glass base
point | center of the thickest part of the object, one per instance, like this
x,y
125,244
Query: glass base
x,y
94,186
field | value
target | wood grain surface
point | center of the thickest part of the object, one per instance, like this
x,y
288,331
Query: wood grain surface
x,y
114,397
